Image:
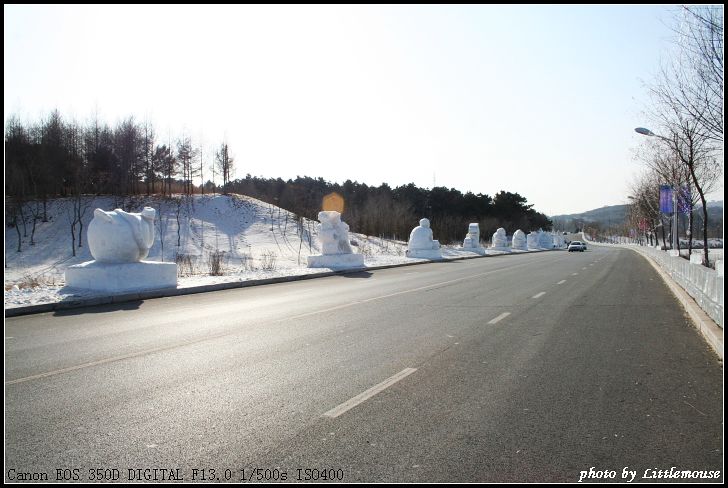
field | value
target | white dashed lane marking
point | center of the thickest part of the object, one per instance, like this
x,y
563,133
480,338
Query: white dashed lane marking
x,y
499,318
362,397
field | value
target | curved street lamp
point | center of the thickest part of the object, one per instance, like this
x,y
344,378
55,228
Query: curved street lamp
x,y
647,132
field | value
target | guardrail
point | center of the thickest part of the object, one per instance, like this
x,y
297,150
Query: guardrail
x,y
705,285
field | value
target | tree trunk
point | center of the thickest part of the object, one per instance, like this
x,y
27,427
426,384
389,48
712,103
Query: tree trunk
x,y
73,239
32,232
17,229
706,259
178,227
80,230
22,217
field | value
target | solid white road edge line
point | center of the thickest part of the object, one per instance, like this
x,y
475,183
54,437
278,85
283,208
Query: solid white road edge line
x,y
362,397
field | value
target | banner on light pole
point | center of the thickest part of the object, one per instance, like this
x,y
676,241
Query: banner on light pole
x,y
666,199
683,200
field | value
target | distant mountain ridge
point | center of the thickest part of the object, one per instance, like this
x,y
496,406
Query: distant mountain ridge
x,y
606,216
611,215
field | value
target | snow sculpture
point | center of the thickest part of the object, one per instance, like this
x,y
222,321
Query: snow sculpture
x,y
471,242
545,240
473,237
558,240
519,241
335,248
119,241
499,240
532,240
421,244
121,237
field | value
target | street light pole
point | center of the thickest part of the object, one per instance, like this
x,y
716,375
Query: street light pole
x,y
649,133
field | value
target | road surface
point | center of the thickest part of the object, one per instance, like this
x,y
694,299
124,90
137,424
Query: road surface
x,y
530,367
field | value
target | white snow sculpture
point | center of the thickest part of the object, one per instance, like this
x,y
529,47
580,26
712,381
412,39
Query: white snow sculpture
x,y
421,244
558,240
532,240
119,241
545,241
335,248
471,242
519,241
473,237
121,237
499,240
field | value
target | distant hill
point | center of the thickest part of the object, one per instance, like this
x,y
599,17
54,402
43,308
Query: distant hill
x,y
616,214
605,216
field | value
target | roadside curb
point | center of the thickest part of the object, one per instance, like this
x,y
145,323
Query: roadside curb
x,y
707,327
170,292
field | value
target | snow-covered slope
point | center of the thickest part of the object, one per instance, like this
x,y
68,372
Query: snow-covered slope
x,y
250,238
253,240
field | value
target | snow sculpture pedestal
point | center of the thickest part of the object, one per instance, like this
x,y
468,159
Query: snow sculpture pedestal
x,y
421,244
122,277
424,253
519,241
336,261
119,241
471,243
335,247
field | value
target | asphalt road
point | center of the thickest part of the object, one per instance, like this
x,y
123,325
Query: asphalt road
x,y
530,367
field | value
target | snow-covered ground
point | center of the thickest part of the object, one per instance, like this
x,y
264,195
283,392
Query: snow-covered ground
x,y
253,240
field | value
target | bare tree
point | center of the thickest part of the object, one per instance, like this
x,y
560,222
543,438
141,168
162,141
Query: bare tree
x,y
698,157
202,174
688,103
11,217
177,210
645,206
664,167
72,219
147,149
693,80
225,164
186,155
164,163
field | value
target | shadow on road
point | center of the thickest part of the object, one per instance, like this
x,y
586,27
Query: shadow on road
x,y
114,307
447,261
360,274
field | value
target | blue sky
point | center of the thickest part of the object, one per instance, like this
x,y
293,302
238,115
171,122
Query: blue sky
x,y
539,100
